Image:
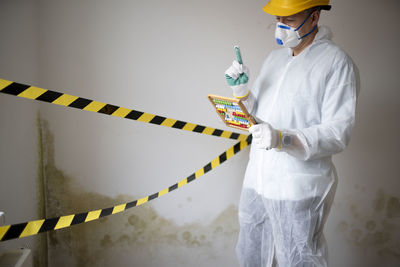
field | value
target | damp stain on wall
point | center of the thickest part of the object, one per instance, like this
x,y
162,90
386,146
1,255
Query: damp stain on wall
x,y
136,237
40,251
378,228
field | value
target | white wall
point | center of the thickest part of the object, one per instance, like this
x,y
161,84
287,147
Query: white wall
x,y
363,228
164,57
19,155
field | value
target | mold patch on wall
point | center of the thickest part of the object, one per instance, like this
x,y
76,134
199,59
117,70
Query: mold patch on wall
x,y
40,252
377,229
136,237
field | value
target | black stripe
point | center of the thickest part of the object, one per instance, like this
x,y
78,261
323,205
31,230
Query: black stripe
x,y
106,212
217,132
191,178
173,187
236,148
48,224
157,120
49,96
249,139
134,115
179,124
234,136
80,103
131,204
15,88
222,157
153,196
207,168
79,218
14,231
199,129
108,109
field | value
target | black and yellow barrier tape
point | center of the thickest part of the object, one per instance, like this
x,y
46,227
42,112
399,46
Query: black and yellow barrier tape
x,y
36,93
39,226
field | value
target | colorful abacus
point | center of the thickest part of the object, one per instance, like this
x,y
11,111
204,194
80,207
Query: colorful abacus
x,y
232,112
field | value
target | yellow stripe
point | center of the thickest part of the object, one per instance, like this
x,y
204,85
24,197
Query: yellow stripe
x,y
32,92
242,137
4,84
94,106
65,100
3,229
168,122
243,145
119,208
182,183
208,131
226,134
92,215
64,221
280,140
142,201
189,126
199,173
32,228
121,112
229,153
163,192
146,117
215,163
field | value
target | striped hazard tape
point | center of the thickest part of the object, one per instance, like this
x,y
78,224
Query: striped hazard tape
x,y
39,226
36,93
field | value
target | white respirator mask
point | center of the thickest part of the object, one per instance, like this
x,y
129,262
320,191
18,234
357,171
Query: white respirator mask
x,y
289,36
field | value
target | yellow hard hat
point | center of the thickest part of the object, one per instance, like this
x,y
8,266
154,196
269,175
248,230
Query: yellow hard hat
x,y
290,7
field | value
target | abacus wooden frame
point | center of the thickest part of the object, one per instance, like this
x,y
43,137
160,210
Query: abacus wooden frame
x,y
239,103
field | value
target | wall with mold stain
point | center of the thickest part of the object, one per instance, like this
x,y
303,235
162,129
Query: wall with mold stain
x,y
139,237
149,56
364,225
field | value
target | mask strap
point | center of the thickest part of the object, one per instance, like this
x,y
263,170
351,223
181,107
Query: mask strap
x,y
303,21
313,29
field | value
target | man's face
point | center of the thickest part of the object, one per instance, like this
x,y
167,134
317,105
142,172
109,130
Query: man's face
x,y
296,20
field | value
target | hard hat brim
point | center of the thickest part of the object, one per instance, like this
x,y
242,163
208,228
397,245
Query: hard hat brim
x,y
285,11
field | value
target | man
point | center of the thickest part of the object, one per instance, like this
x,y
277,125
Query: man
x,y
304,102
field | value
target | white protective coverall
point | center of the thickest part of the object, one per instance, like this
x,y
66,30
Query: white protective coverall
x,y
287,193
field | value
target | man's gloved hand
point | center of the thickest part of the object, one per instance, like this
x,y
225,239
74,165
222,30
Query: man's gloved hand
x,y
237,76
265,136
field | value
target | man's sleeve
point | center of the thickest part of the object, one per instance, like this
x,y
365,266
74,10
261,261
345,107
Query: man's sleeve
x,y
338,105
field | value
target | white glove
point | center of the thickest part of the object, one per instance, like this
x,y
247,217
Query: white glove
x,y
237,76
265,136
